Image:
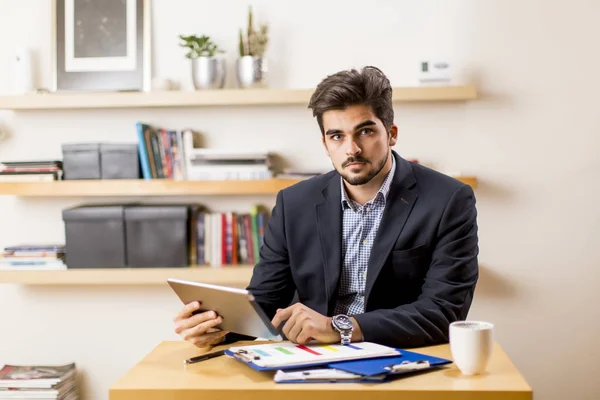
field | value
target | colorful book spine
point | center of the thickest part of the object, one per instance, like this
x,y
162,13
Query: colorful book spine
x,y
255,236
144,160
200,238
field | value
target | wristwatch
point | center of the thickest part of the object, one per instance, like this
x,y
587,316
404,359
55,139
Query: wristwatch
x,y
344,325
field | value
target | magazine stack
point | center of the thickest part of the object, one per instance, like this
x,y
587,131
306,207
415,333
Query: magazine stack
x,y
33,256
30,171
38,382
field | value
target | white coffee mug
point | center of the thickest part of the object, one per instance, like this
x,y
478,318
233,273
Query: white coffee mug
x,y
471,344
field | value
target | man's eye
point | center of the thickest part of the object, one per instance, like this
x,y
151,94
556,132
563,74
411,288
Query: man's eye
x,y
366,131
336,137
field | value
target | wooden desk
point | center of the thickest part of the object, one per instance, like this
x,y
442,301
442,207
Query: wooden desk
x,y
162,375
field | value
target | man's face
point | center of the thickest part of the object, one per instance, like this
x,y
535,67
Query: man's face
x,y
357,143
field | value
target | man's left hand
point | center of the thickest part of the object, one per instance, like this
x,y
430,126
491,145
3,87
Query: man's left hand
x,y
304,324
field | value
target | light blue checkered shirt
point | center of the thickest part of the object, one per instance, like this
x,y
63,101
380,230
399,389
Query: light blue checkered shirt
x,y
359,226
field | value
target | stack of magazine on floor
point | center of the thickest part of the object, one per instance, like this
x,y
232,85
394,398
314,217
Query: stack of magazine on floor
x,y
38,382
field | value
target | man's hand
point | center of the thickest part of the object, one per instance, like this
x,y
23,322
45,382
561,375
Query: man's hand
x,y
198,329
304,324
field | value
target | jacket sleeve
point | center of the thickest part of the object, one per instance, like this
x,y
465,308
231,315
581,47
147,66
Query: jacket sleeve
x,y
272,284
448,287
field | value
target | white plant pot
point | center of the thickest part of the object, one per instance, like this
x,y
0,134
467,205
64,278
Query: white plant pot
x,y
251,72
208,72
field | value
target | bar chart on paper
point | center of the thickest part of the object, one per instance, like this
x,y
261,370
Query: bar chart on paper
x,y
287,354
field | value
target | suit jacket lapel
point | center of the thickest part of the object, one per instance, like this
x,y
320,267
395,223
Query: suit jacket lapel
x,y
399,204
329,222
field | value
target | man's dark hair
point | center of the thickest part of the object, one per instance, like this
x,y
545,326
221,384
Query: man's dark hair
x,y
369,87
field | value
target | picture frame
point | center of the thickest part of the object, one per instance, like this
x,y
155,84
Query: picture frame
x,y
101,45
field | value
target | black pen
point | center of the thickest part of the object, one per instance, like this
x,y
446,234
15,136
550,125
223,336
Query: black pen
x,y
204,357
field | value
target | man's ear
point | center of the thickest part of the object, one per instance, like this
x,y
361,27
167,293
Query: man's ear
x,y
393,135
325,145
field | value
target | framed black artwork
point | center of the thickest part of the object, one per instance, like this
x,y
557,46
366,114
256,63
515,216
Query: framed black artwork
x,y
101,45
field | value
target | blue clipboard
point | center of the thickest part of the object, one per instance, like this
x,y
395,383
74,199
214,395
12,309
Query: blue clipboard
x,y
366,367
377,366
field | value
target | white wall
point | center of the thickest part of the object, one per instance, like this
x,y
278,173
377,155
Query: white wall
x,y
531,139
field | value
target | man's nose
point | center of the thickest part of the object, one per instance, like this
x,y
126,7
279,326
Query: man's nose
x,y
353,148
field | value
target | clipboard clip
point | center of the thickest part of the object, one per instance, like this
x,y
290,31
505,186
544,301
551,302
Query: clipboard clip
x,y
246,356
408,366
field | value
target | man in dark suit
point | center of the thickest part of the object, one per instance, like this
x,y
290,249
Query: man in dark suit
x,y
380,249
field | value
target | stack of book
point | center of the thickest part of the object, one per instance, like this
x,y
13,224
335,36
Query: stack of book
x,y
161,152
291,173
227,238
30,171
38,382
224,164
33,256
171,154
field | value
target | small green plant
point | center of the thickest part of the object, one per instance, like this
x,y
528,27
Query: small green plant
x,y
201,46
255,42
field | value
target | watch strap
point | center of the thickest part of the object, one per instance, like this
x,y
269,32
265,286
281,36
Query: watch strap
x,y
346,337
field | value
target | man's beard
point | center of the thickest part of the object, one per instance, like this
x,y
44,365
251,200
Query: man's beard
x,y
361,180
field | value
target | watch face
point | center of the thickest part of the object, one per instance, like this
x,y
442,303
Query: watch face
x,y
343,322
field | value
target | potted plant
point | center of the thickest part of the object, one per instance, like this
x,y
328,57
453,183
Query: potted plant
x,y
208,71
251,66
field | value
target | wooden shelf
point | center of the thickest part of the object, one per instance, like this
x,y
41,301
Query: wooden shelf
x,y
140,187
155,187
228,275
222,97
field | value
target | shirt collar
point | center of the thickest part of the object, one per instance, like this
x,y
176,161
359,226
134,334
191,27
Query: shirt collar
x,y
383,191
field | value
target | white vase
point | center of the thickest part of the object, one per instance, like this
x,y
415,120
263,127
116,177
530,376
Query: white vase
x,y
208,72
252,72
23,81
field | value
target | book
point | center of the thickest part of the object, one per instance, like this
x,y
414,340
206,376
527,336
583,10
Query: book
x,y
30,176
33,267
57,248
142,130
31,164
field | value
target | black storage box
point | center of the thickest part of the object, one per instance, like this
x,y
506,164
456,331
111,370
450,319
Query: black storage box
x,y
100,161
81,161
95,236
157,235
119,161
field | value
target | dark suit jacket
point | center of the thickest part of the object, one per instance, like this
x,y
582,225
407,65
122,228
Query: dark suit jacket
x,y
423,266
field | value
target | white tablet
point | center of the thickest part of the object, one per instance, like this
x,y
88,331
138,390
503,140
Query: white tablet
x,y
240,311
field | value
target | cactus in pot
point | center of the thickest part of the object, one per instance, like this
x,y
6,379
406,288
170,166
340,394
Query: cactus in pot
x,y
251,65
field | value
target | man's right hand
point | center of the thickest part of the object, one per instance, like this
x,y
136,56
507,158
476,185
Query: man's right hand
x,y
198,329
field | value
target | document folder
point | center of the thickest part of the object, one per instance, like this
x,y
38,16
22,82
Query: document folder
x,y
376,370
325,375
280,356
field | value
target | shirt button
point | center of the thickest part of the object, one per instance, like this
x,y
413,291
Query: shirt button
x,y
365,241
364,275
